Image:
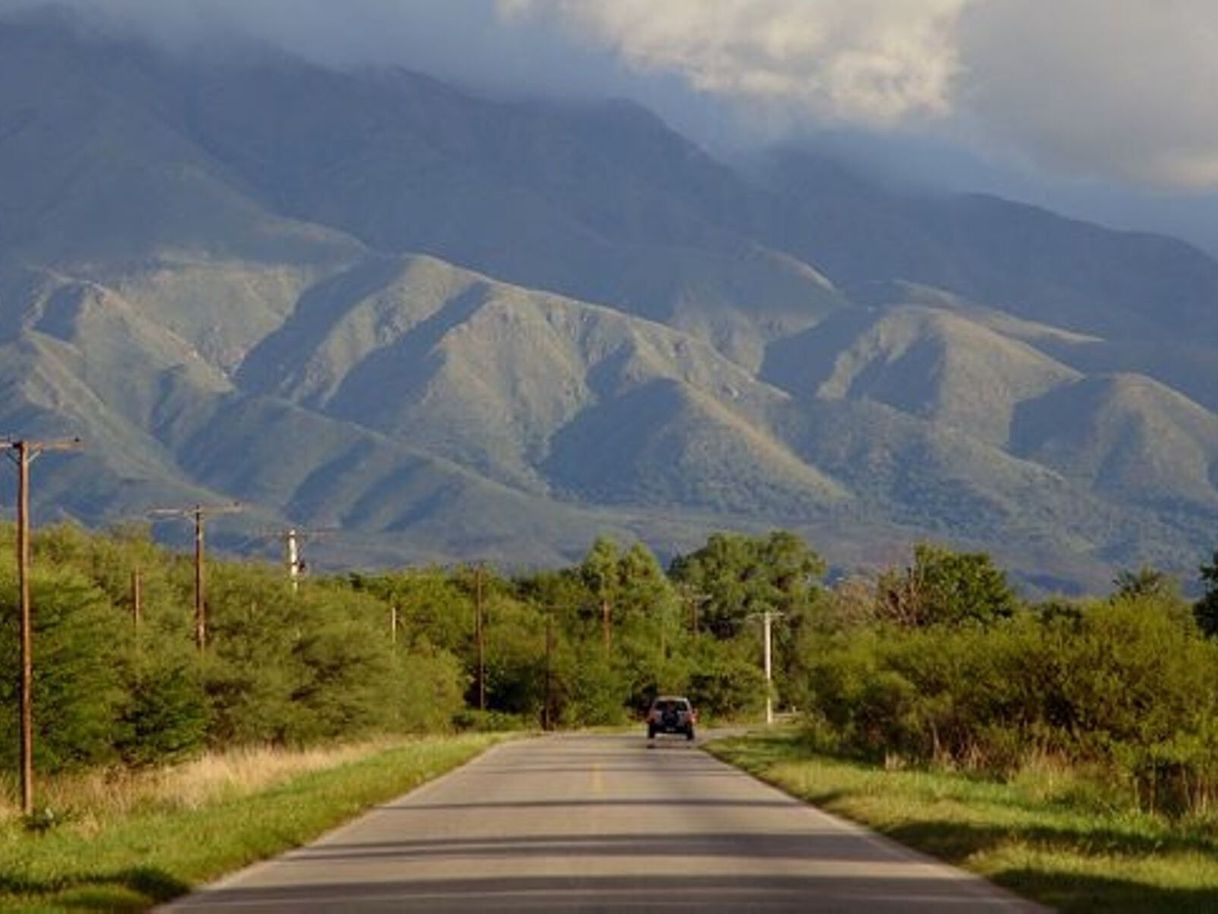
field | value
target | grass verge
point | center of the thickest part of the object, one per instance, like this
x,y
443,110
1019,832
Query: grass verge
x,y
1046,834
140,840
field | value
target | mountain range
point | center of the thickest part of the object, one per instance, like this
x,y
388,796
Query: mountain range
x,y
459,326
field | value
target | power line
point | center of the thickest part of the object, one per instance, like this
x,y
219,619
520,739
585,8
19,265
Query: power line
x,y
23,452
198,513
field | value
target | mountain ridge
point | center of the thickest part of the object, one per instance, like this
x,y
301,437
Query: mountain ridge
x,y
478,327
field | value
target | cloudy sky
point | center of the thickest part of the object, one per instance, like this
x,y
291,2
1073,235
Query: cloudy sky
x,y
1107,108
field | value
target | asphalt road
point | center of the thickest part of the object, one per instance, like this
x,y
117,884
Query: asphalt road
x,y
599,823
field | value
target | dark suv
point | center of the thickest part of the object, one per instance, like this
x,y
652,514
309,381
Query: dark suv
x,y
671,714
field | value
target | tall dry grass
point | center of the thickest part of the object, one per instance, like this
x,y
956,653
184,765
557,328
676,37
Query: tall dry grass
x,y
94,797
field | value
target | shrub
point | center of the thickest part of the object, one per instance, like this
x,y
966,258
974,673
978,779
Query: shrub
x,y
76,685
162,715
1125,684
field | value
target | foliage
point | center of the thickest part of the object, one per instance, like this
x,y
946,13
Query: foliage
x,y
936,661
76,679
736,579
1124,685
162,716
945,587
1050,832
145,839
744,575
1206,609
1145,582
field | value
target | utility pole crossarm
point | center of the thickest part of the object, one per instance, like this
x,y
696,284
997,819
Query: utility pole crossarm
x,y
198,513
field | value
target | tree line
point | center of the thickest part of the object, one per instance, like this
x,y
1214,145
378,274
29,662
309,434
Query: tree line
x,y
935,661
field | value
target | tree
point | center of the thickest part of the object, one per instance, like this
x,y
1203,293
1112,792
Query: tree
x,y
77,690
1145,582
742,575
600,571
945,587
1205,610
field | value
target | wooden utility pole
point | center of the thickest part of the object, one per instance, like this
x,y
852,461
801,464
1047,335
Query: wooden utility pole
x,y
198,513
547,714
137,595
606,621
393,624
23,453
480,636
694,600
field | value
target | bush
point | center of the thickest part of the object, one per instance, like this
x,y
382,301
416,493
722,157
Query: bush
x,y
162,716
724,684
1126,685
473,720
76,684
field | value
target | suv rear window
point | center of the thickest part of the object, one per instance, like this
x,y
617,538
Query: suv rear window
x,y
671,706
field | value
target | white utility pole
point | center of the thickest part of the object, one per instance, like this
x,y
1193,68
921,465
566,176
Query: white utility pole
x,y
767,618
293,538
292,551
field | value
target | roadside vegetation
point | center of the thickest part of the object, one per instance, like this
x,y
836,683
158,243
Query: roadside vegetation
x,y
127,841
1066,749
346,657
1048,832
935,669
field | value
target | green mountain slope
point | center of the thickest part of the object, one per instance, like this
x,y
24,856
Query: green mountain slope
x,y
457,326
927,362
1127,436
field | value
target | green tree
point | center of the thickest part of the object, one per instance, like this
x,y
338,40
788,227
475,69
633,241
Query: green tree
x,y
743,575
77,690
1145,582
1205,611
162,716
945,587
601,573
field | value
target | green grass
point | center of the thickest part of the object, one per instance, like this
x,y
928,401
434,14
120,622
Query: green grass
x,y
1048,834
130,856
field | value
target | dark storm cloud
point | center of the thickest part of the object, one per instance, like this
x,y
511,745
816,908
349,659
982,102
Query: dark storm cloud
x,y
1089,104
1115,89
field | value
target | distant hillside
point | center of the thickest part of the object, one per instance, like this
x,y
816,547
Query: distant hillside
x,y
454,326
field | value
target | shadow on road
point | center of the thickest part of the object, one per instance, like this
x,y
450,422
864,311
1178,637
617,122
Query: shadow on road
x,y
713,895
825,847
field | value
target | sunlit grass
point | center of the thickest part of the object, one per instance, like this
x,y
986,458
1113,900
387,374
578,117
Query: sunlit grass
x,y
126,841
1050,833
93,798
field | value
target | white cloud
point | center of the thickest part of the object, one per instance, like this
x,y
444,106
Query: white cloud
x,y
872,62
1120,89
1114,88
